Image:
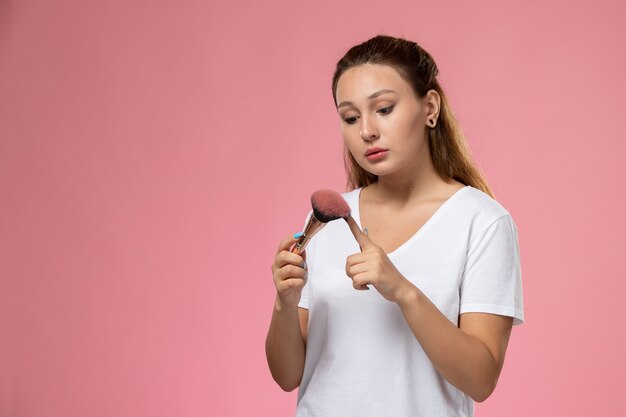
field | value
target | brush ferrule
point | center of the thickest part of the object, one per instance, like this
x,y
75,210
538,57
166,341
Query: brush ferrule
x,y
313,226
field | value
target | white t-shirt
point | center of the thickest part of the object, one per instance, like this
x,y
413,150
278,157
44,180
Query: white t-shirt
x,y
361,357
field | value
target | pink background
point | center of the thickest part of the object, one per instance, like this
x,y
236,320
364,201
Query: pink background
x,y
153,153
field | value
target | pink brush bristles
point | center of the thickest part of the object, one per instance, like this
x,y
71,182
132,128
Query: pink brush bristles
x,y
329,205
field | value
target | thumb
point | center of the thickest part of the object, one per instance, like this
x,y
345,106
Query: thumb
x,y
363,239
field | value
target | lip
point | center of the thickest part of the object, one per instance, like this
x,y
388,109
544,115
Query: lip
x,y
374,150
375,154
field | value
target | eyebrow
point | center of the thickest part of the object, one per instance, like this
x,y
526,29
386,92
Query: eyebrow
x,y
372,96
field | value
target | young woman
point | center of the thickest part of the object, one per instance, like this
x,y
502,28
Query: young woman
x,y
438,254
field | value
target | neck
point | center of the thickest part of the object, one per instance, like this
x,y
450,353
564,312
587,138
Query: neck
x,y
416,182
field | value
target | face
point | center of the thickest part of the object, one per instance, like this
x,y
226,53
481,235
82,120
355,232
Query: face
x,y
383,124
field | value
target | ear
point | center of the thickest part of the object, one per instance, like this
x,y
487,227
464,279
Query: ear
x,y
432,101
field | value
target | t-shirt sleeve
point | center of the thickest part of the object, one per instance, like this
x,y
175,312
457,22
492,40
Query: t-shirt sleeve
x,y
492,279
304,298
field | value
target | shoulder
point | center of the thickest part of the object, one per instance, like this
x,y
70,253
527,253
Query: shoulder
x,y
351,193
481,211
481,205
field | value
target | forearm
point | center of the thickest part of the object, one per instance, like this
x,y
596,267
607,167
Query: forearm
x,y
284,347
461,359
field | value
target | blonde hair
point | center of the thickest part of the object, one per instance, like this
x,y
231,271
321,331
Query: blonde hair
x,y
448,148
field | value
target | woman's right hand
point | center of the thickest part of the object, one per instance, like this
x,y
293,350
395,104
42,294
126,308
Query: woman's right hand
x,y
289,273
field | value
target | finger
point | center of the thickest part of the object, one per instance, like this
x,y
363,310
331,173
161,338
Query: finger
x,y
286,257
357,258
360,281
290,284
291,271
353,269
295,284
286,243
363,240
359,287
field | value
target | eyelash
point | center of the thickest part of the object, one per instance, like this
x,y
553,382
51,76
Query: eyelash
x,y
390,108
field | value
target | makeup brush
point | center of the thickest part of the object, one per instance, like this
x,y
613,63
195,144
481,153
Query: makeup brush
x,y
328,205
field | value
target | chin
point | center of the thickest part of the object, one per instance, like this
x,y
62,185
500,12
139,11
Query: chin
x,y
377,168
379,172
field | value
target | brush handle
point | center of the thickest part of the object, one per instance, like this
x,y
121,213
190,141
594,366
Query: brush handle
x,y
312,227
298,248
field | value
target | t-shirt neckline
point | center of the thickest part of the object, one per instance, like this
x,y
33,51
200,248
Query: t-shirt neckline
x,y
357,217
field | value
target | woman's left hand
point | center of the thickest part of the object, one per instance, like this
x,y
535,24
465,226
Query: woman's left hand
x,y
373,266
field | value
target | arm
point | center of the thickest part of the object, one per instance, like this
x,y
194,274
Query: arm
x,y
470,356
286,338
286,344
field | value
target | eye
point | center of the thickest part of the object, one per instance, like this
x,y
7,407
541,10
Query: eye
x,y
386,110
350,120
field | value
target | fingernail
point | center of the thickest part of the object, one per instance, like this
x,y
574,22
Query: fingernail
x,y
298,235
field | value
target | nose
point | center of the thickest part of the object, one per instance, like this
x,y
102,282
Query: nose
x,y
369,130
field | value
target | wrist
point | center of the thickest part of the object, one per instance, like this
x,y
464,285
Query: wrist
x,y
408,296
281,307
